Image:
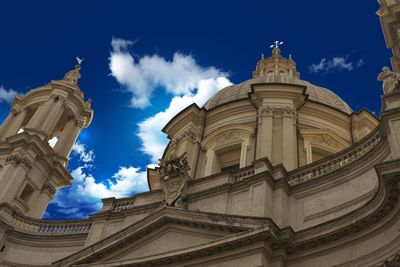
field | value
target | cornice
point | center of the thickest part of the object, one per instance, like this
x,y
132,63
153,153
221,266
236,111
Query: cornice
x,y
383,205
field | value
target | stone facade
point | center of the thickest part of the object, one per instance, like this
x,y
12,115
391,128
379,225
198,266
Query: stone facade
x,y
272,172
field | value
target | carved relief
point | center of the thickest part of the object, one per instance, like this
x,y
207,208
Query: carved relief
x,y
276,110
174,178
49,189
186,135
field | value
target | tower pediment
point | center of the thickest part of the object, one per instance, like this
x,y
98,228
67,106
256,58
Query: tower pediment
x,y
169,230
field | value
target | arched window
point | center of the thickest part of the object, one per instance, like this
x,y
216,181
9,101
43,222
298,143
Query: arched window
x,y
227,148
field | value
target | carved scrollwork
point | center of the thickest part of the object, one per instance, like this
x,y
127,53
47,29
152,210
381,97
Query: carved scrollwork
x,y
19,160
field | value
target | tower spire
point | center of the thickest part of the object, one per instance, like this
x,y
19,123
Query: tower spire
x,y
73,76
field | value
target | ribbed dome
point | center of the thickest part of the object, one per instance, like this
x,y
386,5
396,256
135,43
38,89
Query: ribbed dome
x,y
239,91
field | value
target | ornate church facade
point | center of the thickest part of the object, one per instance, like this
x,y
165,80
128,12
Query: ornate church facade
x,y
272,172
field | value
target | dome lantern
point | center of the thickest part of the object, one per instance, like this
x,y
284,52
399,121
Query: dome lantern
x,y
276,64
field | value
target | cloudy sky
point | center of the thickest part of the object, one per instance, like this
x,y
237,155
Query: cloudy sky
x,y
144,62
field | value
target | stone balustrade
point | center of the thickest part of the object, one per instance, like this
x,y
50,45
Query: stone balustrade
x,y
123,204
239,175
334,162
38,226
19,221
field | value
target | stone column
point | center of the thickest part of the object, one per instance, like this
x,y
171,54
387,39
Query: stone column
x,y
42,201
308,149
289,146
243,153
40,114
68,138
53,116
15,124
210,162
264,134
391,120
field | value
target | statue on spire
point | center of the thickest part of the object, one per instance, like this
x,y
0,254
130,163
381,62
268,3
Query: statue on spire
x,y
72,76
391,80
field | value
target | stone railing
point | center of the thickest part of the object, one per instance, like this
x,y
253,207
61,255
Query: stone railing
x,y
22,222
334,162
239,175
38,226
123,204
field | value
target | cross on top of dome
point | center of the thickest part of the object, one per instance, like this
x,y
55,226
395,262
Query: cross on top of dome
x,y
275,47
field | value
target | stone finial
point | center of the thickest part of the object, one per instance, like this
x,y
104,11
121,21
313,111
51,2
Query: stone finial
x,y
72,76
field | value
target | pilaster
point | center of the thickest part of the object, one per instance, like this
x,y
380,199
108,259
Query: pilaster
x,y
289,146
16,123
264,134
391,120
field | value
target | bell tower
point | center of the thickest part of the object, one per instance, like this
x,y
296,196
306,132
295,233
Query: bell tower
x,y
31,171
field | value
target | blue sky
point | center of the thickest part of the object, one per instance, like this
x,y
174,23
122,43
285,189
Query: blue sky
x,y
144,61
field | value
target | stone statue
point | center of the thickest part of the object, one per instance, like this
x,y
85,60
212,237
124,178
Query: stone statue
x,y
174,178
390,80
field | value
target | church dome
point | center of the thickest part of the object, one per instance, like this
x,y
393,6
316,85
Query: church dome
x,y
273,70
240,91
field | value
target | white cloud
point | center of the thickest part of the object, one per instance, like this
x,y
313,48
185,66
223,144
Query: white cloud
x,y
84,155
336,64
122,184
7,95
141,77
153,139
85,194
187,81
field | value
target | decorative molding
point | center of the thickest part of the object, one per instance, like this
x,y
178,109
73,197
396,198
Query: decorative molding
x,y
394,262
336,161
49,189
189,134
266,110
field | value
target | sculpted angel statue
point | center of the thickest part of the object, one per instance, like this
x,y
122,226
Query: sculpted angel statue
x,y
390,80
